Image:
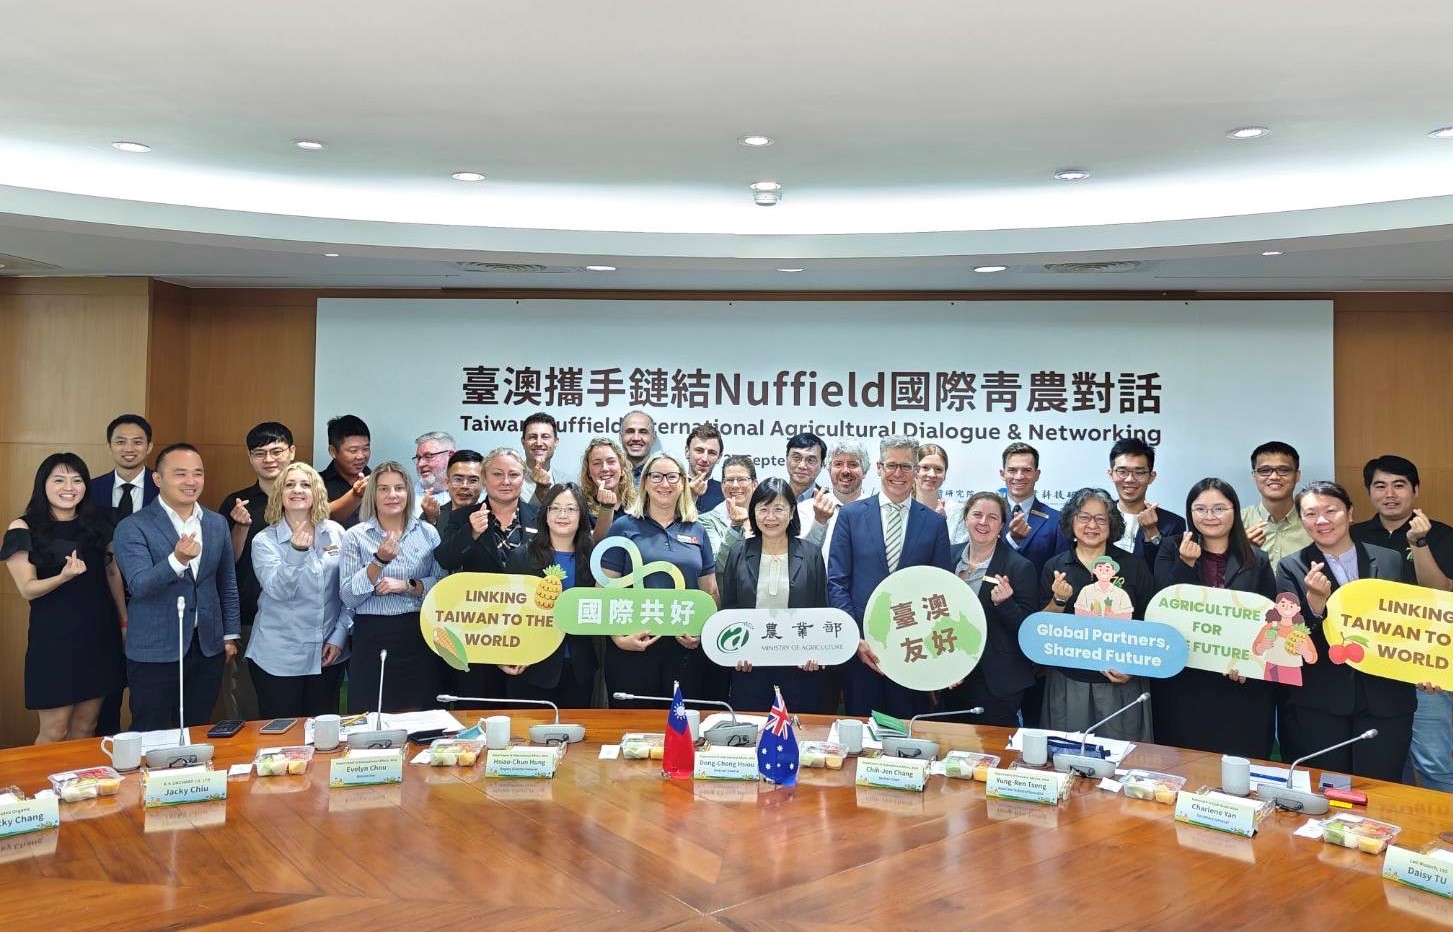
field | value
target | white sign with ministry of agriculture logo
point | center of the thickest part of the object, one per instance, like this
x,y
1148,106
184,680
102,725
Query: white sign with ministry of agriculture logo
x,y
780,637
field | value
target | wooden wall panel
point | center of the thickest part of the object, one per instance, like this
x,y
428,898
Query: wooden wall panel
x,y
74,355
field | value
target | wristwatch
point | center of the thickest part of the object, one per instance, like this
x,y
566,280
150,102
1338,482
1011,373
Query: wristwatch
x,y
1420,542
1061,602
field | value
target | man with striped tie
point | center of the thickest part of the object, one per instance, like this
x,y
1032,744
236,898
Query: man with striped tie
x,y
874,537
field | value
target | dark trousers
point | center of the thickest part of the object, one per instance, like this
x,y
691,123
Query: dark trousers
x,y
1304,730
108,721
296,696
1031,706
650,672
866,692
413,672
154,689
998,710
752,692
567,693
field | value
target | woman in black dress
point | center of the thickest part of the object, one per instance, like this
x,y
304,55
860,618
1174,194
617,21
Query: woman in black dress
x,y
59,554
1221,712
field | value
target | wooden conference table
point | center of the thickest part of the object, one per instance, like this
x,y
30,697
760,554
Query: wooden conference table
x,y
610,844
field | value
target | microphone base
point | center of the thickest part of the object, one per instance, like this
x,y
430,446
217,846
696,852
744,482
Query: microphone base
x,y
186,755
557,734
391,738
1095,767
1296,800
731,736
909,748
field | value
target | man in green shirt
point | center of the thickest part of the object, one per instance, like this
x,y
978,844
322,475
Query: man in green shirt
x,y
1273,523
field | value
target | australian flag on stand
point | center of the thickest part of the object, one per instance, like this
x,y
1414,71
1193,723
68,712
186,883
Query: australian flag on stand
x,y
777,748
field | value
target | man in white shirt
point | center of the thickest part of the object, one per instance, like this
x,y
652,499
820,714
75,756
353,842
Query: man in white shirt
x,y
539,437
847,464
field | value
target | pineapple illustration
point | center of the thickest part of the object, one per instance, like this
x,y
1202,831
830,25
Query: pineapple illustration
x,y
549,588
1298,634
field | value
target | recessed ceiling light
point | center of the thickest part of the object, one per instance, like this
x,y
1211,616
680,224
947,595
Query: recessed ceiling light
x,y
1271,252
766,186
600,268
131,146
1071,174
990,268
467,176
1442,132
756,142
1247,132
789,270
330,255
308,144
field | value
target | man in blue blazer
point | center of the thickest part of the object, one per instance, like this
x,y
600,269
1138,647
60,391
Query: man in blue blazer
x,y
172,551
1033,526
128,437
874,537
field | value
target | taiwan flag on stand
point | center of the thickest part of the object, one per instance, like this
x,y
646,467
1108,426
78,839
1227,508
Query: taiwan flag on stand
x,y
777,748
678,760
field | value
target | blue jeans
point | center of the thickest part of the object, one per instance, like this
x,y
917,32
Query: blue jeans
x,y
1431,755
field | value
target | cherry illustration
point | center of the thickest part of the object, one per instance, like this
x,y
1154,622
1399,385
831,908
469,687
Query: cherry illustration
x,y
1337,653
1355,653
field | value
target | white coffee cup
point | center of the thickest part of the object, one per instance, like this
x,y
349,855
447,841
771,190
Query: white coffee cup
x,y
1034,747
850,735
325,732
693,723
497,732
1235,775
124,750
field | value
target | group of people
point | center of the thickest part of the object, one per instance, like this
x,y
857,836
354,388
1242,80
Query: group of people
x,y
306,574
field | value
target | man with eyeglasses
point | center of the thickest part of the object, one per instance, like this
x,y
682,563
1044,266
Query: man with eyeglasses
x,y
431,458
1273,523
1033,526
466,484
875,537
270,450
1425,547
638,438
1132,470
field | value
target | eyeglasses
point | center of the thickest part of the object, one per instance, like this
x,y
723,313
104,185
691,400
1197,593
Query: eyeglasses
x,y
774,511
1121,472
1092,520
801,459
669,478
464,480
737,480
1266,472
896,467
428,456
563,510
270,453
1201,511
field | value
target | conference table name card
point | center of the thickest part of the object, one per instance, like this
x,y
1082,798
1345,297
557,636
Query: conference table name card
x,y
1026,786
1220,812
724,763
22,816
369,767
1431,870
200,784
893,773
525,763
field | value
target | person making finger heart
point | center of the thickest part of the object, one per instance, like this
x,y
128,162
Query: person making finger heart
x,y
1337,702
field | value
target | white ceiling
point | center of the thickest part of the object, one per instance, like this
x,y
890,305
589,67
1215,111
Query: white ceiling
x,y
914,141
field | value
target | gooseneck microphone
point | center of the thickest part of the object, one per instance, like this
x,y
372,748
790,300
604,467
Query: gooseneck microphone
x,y
539,734
1300,800
913,748
1093,766
379,737
184,754
731,734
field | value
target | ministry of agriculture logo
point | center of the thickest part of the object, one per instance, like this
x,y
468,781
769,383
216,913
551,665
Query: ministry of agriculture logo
x,y
733,638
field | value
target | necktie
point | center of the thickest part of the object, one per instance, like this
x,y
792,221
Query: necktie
x,y
126,506
893,538
1018,510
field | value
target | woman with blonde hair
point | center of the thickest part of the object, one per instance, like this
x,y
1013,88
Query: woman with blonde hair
x,y
298,648
606,482
387,566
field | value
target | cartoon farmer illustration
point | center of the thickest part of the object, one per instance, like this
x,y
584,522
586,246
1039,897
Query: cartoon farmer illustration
x,y
1102,597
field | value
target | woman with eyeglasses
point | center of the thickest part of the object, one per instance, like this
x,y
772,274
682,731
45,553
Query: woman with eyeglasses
x,y
662,522
607,484
1086,580
562,544
1202,709
774,569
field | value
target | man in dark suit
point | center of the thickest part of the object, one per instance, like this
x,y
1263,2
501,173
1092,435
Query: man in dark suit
x,y
1033,525
1336,702
119,493
174,552
1132,470
874,537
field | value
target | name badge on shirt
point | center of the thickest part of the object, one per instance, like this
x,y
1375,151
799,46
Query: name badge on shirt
x,y
331,550
687,539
